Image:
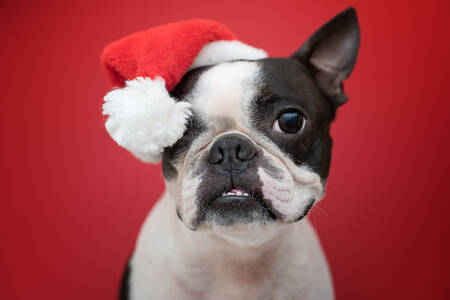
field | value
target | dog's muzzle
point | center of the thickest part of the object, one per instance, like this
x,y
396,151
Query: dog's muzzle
x,y
230,191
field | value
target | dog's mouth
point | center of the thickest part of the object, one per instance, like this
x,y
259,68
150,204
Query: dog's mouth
x,y
238,205
234,195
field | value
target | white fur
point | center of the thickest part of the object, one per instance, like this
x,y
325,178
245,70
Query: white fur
x,y
188,205
225,91
289,197
144,119
223,51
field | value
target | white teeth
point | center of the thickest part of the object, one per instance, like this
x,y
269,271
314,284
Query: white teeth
x,y
237,193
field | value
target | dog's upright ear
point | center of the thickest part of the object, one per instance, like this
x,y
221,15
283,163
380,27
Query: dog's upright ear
x,y
331,53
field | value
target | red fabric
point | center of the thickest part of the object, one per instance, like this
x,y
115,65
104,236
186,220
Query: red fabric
x,y
167,51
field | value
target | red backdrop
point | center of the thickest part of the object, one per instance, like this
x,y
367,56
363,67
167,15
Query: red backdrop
x,y
72,201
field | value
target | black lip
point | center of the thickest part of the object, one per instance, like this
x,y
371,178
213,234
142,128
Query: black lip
x,y
232,199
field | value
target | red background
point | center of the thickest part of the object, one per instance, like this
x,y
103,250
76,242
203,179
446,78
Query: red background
x,y
72,201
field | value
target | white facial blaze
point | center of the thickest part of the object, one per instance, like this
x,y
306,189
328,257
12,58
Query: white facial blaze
x,y
221,92
225,90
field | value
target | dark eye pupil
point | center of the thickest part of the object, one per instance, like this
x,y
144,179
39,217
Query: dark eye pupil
x,y
290,122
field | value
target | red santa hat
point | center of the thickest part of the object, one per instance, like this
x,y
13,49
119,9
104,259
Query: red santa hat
x,y
145,66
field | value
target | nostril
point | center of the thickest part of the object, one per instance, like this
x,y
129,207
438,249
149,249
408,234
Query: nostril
x,y
215,155
245,153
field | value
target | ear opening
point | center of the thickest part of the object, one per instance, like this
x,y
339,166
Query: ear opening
x,y
331,54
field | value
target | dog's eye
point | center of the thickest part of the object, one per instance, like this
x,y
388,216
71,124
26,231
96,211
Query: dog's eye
x,y
289,122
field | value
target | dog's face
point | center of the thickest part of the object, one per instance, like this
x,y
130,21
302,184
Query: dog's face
x,y
257,150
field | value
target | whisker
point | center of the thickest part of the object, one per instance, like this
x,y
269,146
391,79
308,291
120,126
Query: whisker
x,y
321,209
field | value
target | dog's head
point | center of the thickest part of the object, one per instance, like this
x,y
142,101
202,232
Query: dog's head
x,y
257,149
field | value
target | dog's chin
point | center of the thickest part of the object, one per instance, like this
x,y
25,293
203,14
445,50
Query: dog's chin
x,y
226,211
242,221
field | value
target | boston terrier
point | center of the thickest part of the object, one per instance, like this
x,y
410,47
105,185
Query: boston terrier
x,y
241,180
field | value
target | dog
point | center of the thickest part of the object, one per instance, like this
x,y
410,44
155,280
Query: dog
x,y
240,182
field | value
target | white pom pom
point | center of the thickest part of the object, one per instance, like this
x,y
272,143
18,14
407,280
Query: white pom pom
x,y
144,119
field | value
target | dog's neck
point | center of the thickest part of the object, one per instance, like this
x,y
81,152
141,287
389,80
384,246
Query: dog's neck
x,y
218,257
214,245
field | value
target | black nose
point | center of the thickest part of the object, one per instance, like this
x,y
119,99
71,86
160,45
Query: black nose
x,y
232,152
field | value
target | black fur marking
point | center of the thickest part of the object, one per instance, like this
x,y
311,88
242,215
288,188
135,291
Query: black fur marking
x,y
170,155
287,84
169,170
319,156
124,293
187,83
179,214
